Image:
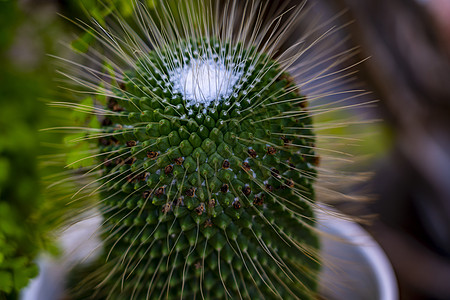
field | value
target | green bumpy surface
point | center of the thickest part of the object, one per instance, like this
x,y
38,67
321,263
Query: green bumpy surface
x,y
214,204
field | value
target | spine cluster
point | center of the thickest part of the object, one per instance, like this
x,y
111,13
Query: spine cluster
x,y
209,195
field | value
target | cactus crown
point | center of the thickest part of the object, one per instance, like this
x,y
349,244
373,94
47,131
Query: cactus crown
x,y
207,159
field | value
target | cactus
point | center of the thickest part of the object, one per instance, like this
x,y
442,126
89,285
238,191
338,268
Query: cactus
x,y
206,158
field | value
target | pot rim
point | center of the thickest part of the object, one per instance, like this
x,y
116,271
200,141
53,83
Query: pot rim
x,y
356,236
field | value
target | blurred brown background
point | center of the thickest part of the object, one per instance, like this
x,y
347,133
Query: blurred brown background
x,y
408,43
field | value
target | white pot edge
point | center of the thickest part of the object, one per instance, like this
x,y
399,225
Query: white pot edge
x,y
375,257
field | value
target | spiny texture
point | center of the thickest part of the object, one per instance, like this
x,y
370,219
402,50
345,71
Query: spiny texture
x,y
202,152
208,195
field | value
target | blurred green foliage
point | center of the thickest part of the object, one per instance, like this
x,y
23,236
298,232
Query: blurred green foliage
x,y
19,185
27,213
124,10
100,11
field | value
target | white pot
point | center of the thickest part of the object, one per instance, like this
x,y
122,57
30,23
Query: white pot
x,y
355,267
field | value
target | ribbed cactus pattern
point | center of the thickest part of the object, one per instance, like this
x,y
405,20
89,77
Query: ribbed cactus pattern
x,y
206,164
214,198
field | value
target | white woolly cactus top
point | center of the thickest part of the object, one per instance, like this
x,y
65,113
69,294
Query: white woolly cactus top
x,y
205,81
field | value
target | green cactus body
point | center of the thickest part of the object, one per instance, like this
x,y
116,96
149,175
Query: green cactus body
x,y
208,189
207,162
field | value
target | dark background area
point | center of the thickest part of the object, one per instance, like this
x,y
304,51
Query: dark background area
x,y
408,43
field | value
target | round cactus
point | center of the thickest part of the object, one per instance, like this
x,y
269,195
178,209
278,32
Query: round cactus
x,y
203,177
206,158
